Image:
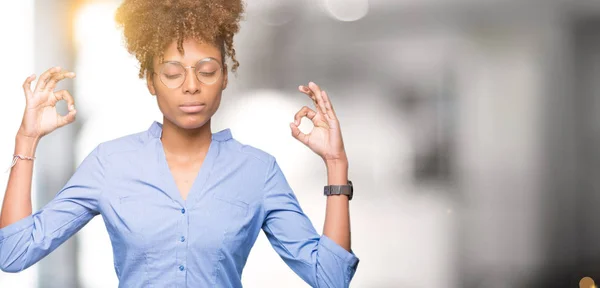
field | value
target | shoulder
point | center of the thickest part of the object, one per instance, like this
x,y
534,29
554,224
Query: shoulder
x,y
252,152
128,144
246,157
249,153
242,165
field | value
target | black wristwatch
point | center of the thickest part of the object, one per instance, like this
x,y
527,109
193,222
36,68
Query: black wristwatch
x,y
347,190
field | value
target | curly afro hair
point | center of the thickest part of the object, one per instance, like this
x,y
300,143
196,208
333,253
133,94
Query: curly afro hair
x,y
149,26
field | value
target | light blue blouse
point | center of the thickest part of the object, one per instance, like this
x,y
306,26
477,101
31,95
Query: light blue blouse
x,y
161,240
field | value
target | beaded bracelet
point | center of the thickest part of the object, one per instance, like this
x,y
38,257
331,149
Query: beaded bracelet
x,y
16,157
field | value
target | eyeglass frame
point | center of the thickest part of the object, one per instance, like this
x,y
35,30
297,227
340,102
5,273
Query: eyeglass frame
x,y
186,71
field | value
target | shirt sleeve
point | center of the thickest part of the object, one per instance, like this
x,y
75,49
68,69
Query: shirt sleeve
x,y
25,242
318,260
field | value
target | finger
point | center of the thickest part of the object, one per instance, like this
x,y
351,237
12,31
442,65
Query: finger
x,y
310,94
66,119
65,95
57,77
307,91
305,111
43,80
27,86
317,91
296,133
328,106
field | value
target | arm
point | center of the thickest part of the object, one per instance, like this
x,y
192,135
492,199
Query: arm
x,y
20,231
337,214
322,261
39,119
17,198
28,240
319,260
326,141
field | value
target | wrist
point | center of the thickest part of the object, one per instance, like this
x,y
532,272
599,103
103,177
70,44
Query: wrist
x,y
337,164
26,145
337,172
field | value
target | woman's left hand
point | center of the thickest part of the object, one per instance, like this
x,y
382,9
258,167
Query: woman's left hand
x,y
325,139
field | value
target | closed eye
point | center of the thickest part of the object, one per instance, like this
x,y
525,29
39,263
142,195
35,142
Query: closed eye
x,y
207,74
174,76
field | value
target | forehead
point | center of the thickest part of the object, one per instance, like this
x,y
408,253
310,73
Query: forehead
x,y
193,51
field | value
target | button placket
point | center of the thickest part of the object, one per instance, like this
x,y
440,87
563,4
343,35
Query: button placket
x,y
182,239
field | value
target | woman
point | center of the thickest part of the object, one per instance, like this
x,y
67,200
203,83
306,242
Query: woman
x,y
182,205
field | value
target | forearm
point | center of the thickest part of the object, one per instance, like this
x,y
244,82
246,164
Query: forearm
x,y
17,197
337,215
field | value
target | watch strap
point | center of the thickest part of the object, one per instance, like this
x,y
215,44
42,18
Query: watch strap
x,y
339,190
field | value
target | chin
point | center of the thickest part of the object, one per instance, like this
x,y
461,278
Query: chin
x,y
192,121
189,121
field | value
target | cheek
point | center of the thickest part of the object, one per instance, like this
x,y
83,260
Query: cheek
x,y
216,101
163,101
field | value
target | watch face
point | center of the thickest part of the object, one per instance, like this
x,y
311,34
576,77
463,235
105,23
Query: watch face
x,y
351,190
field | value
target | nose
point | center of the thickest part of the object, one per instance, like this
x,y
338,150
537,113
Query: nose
x,y
191,84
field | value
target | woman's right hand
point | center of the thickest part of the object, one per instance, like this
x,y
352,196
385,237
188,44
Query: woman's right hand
x,y
40,117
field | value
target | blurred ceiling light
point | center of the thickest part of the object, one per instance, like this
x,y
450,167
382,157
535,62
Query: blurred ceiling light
x,y
94,24
347,10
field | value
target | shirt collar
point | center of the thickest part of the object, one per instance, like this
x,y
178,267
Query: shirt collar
x,y
223,135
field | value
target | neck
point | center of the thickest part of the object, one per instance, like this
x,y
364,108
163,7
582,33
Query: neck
x,y
185,143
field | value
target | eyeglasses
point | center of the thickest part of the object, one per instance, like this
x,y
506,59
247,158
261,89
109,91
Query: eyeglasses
x,y
207,71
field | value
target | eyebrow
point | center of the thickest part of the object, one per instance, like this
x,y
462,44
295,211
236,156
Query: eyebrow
x,y
216,59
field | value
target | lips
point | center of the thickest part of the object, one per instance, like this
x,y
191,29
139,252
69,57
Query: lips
x,y
192,107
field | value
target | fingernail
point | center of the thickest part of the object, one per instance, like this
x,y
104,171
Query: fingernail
x,y
72,107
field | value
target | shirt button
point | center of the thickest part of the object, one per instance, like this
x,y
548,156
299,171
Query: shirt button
x,y
182,210
181,268
182,239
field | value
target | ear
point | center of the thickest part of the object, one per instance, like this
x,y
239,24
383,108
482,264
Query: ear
x,y
150,83
225,77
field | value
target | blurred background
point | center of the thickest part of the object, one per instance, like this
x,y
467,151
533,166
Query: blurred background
x,y
472,129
